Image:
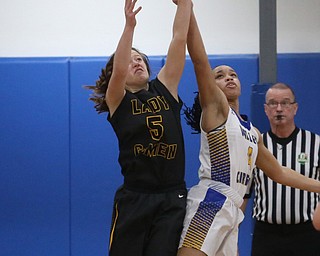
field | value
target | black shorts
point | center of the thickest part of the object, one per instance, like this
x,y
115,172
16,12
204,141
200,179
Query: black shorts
x,y
147,224
285,240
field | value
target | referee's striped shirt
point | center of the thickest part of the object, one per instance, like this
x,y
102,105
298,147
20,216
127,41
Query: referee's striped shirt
x,y
278,204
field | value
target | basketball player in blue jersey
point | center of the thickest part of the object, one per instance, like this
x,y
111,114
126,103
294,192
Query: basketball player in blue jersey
x,y
230,148
150,206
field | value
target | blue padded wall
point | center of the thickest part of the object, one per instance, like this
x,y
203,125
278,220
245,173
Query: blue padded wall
x,y
258,92
59,168
301,72
34,176
94,170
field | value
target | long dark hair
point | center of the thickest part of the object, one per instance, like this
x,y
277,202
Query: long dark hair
x,y
193,114
99,90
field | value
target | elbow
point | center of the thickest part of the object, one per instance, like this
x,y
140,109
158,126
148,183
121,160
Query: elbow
x,y
180,39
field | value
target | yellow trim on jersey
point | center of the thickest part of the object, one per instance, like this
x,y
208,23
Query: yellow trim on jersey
x,y
114,225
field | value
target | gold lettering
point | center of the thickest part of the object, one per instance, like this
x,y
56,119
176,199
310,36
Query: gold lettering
x,y
172,149
162,149
138,148
164,102
135,109
153,105
153,150
146,108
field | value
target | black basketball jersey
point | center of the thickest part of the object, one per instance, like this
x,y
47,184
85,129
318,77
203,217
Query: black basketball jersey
x,y
151,148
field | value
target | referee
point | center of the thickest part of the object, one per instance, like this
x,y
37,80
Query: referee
x,y
283,214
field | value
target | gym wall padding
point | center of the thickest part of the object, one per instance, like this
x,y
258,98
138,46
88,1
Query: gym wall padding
x,y
301,71
34,166
59,169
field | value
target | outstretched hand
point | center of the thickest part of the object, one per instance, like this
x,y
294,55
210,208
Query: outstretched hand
x,y
130,13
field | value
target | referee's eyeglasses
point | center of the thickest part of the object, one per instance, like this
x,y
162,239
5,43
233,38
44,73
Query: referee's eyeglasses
x,y
284,104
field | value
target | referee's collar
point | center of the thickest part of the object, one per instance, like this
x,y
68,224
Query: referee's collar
x,y
284,141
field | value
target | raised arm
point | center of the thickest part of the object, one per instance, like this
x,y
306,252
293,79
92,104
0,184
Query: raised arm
x,y
214,104
286,176
122,57
171,72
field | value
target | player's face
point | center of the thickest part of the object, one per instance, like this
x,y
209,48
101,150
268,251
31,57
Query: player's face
x,y
228,81
137,71
280,106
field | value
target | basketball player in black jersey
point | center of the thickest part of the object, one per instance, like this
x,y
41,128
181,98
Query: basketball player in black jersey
x,y
149,207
